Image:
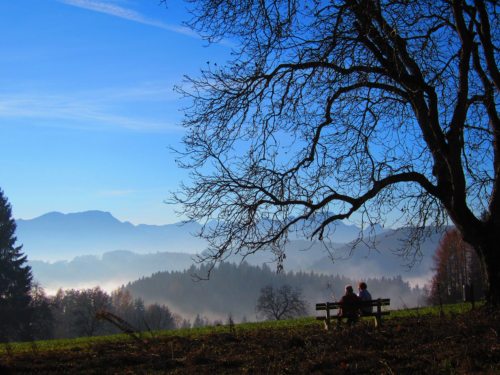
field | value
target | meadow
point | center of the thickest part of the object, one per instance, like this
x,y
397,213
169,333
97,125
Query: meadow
x,y
455,339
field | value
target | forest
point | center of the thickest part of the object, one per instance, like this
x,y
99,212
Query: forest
x,y
82,313
233,289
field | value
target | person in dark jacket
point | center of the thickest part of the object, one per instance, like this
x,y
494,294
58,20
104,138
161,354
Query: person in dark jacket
x,y
348,303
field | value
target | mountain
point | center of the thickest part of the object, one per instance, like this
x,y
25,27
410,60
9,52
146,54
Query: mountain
x,y
338,232
115,268
57,236
388,258
94,248
385,260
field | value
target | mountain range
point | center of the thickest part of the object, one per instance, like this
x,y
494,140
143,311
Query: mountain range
x,y
57,236
94,248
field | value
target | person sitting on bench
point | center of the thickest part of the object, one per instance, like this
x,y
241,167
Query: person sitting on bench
x,y
364,295
348,303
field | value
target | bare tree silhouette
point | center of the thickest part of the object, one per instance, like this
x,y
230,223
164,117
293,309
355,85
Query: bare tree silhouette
x,y
280,303
345,109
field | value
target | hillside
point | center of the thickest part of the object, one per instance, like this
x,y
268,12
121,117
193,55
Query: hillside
x,y
234,289
458,344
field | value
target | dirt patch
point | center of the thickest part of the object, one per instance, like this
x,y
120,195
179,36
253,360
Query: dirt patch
x,y
461,344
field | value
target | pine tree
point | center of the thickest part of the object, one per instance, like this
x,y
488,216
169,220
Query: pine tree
x,y
15,280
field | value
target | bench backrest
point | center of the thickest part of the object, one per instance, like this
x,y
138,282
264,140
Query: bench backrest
x,y
360,304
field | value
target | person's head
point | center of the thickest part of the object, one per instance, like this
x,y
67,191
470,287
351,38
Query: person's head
x,y
362,286
348,289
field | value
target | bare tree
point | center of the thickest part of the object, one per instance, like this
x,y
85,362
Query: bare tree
x,y
282,303
356,109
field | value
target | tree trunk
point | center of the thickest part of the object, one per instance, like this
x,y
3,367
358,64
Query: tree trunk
x,y
491,263
486,243
484,237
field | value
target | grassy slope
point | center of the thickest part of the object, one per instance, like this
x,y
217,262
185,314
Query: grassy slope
x,y
414,340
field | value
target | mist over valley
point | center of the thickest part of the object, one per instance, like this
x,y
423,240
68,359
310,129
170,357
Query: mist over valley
x,y
87,249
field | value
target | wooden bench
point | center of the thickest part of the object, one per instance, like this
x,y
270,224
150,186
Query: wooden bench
x,y
329,307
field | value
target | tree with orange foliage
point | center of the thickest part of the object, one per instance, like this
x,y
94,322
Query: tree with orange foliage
x,y
456,266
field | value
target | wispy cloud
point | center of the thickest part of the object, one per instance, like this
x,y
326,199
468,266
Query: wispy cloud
x,y
85,110
128,14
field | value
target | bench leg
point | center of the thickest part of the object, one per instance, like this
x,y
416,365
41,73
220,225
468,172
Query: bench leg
x,y
378,317
327,320
378,321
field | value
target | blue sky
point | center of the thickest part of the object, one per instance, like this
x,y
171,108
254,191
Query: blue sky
x,y
87,107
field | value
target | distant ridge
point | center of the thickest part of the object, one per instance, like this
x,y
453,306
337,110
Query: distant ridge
x,y
58,236
62,236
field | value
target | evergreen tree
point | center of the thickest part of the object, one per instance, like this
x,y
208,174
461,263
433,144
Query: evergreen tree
x,y
15,280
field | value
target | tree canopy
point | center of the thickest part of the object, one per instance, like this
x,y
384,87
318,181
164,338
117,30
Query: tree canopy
x,y
375,110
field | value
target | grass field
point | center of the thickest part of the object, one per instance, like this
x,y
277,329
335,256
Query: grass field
x,y
82,342
410,341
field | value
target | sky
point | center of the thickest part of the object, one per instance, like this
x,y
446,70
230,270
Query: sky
x,y
88,114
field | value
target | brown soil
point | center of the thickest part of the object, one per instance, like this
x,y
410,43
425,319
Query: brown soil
x,y
463,344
